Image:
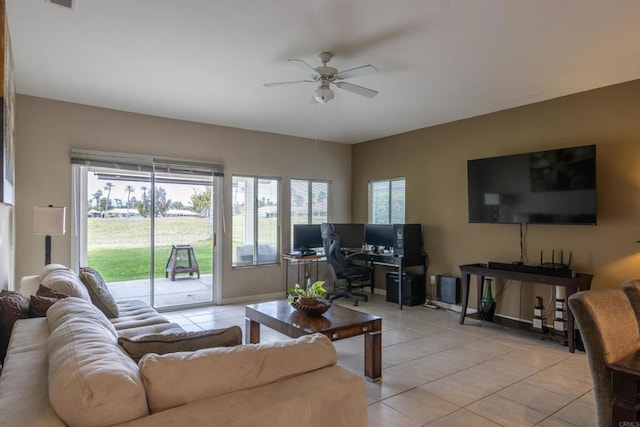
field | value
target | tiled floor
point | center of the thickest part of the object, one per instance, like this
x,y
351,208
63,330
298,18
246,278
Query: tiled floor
x,y
439,373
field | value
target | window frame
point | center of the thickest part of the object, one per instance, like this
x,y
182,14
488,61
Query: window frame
x,y
255,258
310,204
389,183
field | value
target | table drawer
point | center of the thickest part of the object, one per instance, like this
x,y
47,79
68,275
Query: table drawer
x,y
352,331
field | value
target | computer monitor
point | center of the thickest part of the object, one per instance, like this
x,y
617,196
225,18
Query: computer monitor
x,y
351,235
380,235
306,236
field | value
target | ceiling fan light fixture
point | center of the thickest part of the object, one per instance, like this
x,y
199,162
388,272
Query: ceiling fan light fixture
x,y
323,94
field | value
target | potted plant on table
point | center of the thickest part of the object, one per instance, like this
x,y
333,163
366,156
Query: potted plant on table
x,y
308,295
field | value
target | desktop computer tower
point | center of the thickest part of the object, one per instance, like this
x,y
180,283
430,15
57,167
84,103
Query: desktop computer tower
x,y
407,239
414,289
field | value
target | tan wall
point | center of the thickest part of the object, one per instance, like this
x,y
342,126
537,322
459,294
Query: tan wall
x,y
434,160
47,130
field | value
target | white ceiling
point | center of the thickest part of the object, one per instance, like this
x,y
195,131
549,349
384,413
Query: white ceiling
x,y
206,60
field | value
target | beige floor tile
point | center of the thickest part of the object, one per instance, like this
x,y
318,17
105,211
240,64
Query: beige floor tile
x,y
463,418
388,386
420,406
506,412
535,397
381,415
579,413
554,422
559,384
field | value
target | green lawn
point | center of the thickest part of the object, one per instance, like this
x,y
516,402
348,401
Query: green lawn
x,y
119,247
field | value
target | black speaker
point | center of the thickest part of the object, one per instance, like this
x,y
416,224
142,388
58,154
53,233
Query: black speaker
x,y
407,239
448,289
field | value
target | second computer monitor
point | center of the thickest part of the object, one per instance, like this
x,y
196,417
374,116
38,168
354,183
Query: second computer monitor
x,y
351,235
379,235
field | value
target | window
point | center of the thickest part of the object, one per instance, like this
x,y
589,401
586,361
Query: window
x,y
386,201
255,220
309,202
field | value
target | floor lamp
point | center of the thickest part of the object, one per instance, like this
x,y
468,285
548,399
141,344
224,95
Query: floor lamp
x,y
49,221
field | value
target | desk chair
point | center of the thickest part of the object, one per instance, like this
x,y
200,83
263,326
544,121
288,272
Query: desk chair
x,y
341,267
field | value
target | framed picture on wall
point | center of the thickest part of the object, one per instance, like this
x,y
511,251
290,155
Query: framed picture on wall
x,y
7,102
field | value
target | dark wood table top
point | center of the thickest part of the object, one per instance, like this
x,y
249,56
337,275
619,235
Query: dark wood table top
x,y
335,319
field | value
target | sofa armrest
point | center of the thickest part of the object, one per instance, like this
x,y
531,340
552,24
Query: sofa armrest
x,y
29,285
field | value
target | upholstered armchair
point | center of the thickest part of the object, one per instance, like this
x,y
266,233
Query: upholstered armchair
x,y
609,330
632,289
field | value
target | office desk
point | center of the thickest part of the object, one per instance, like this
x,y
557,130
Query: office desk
x,y
303,261
581,282
397,261
625,382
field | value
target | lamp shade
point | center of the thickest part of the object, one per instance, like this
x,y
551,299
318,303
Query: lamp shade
x,y
49,220
492,199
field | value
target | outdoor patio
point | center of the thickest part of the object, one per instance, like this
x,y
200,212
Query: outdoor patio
x,y
184,290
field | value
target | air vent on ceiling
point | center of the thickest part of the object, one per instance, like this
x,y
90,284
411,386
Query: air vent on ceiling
x,y
69,4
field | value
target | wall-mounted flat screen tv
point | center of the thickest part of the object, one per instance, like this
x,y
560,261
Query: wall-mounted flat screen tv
x,y
545,187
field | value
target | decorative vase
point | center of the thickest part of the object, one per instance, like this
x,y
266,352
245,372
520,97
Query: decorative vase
x,y
488,304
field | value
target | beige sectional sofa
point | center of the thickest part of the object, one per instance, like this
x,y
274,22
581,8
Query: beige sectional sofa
x,y
68,369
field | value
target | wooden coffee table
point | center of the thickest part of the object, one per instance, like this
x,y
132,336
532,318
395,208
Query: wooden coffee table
x,y
336,324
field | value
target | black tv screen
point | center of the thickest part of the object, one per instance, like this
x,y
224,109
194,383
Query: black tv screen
x,y
545,187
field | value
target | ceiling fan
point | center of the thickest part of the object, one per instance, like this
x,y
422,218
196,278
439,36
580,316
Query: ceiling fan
x,y
328,76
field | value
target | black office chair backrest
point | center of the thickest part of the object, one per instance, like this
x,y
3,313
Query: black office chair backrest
x,y
336,259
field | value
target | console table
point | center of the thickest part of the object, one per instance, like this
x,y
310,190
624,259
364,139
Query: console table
x,y
578,282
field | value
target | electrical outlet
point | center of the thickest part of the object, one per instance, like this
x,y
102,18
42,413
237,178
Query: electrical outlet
x,y
433,280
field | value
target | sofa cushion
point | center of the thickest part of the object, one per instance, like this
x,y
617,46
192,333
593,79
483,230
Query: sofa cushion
x,y
177,378
13,306
65,281
24,390
172,341
76,309
92,382
99,292
136,314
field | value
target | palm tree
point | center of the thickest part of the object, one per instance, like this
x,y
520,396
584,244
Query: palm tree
x,y
108,186
144,208
97,195
129,189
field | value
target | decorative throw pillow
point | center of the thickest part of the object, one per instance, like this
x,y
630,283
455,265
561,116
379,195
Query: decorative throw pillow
x,y
13,306
172,342
43,291
99,292
39,305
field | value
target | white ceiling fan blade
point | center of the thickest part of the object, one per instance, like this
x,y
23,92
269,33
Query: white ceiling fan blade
x,y
369,93
289,83
304,67
358,71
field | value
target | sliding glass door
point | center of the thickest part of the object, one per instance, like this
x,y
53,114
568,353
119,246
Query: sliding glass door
x,y
150,230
